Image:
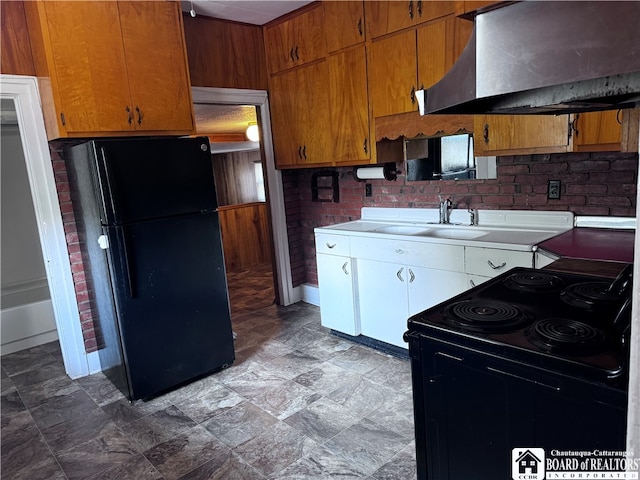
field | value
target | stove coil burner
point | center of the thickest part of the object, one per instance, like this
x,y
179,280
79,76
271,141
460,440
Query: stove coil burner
x,y
561,335
534,282
485,316
592,296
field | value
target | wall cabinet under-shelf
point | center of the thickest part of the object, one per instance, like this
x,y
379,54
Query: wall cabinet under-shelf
x,y
104,84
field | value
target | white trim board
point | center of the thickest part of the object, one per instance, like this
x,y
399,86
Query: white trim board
x,y
23,91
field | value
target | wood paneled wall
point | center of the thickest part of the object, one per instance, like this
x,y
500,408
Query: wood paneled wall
x,y
225,54
245,235
16,49
235,177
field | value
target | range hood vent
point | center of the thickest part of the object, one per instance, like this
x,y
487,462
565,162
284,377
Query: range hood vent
x,y
545,57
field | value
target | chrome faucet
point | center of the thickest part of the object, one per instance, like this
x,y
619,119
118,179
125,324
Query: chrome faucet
x,y
473,216
445,209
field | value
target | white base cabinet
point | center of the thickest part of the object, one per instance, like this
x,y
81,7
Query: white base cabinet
x,y
338,307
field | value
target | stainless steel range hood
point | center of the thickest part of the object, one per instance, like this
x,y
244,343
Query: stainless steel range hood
x,y
545,57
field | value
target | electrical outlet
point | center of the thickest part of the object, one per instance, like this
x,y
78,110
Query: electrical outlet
x,y
553,191
368,191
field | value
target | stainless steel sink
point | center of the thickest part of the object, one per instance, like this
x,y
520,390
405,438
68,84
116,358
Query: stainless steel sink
x,y
457,233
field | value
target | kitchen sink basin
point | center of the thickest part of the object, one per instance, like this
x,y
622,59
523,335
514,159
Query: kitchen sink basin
x,y
402,229
455,233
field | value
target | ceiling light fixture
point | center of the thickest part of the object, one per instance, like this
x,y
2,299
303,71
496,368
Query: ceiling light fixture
x,y
192,12
253,133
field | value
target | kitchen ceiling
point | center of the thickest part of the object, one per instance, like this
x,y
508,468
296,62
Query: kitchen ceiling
x,y
245,11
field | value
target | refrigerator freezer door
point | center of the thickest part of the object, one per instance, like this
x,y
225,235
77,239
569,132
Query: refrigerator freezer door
x,y
172,302
141,179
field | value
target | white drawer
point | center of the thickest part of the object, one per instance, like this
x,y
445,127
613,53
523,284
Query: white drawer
x,y
332,244
420,254
490,262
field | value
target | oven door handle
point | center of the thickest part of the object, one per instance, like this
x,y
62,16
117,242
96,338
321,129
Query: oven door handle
x,y
529,380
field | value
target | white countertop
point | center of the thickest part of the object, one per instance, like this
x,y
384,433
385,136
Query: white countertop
x,y
508,229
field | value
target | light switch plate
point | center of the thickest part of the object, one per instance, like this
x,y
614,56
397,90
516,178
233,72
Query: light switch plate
x,y
553,191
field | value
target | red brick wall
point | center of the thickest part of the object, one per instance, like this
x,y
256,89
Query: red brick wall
x,y
591,184
73,247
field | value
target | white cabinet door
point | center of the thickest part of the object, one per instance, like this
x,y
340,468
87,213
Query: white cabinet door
x,y
338,309
384,306
491,262
428,287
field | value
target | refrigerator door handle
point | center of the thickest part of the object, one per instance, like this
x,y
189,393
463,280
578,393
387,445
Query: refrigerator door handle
x,y
122,241
104,180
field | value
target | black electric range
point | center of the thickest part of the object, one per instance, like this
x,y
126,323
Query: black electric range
x,y
528,358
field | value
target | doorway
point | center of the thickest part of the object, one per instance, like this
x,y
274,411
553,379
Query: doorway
x,y
214,98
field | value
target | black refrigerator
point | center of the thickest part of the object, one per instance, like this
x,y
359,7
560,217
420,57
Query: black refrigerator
x,y
149,234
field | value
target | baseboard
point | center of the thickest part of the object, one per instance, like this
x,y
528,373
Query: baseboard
x,y
310,294
93,361
27,326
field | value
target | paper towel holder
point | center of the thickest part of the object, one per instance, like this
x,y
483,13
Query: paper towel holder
x,y
388,171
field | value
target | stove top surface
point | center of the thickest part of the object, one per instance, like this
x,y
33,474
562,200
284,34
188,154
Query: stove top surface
x,y
571,323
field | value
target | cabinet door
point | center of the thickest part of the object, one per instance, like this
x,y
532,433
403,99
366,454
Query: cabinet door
x,y
160,87
513,134
597,131
349,105
382,292
88,69
389,16
296,41
392,74
344,21
301,116
439,46
337,299
428,287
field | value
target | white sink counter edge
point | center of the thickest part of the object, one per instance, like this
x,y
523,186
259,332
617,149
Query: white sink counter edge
x,y
508,229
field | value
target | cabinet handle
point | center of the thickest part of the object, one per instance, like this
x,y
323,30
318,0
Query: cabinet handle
x,y
573,126
618,117
62,119
399,274
496,267
139,115
472,283
304,152
330,245
300,152
411,9
365,146
130,114
344,268
360,31
291,55
412,276
485,133
413,95
296,53
400,251
420,8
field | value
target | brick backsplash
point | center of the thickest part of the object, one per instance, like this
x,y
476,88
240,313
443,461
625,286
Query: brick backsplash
x,y
591,184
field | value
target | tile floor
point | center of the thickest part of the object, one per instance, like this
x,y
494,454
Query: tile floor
x,y
298,403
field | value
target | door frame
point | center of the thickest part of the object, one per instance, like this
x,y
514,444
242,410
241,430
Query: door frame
x,y
23,90
259,98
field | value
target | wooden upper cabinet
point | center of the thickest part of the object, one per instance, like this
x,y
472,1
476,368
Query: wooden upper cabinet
x,y
393,74
391,16
159,83
439,46
111,68
344,22
300,116
296,41
515,134
597,131
350,125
